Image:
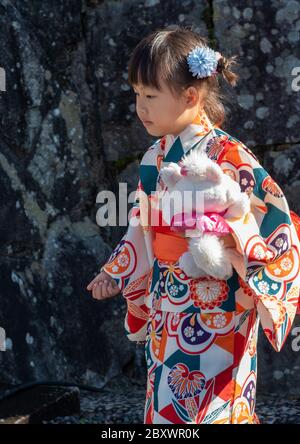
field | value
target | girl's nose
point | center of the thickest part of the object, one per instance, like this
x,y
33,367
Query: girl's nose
x,y
142,110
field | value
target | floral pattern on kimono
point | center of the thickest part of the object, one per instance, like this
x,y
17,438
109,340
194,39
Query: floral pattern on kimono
x,y
268,241
201,334
130,266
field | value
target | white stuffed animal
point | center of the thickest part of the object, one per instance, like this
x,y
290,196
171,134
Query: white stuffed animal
x,y
220,198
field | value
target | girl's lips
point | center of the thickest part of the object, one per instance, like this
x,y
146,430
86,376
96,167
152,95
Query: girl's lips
x,y
145,122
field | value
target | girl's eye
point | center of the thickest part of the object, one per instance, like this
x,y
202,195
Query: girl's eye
x,y
148,96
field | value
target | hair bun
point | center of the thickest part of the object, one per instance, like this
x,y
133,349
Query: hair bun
x,y
224,67
223,64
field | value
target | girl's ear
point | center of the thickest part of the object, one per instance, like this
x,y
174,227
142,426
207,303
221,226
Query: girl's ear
x,y
170,174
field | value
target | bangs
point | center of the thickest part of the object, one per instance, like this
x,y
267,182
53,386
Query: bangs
x,y
144,70
151,63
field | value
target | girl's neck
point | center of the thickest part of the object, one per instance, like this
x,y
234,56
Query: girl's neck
x,y
196,118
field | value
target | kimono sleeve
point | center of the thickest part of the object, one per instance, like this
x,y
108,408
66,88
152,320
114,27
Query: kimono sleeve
x,y
267,241
129,265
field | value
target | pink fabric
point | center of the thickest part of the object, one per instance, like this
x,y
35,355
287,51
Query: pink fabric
x,y
209,222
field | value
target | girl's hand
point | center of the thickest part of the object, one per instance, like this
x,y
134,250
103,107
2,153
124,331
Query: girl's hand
x,y
103,286
229,241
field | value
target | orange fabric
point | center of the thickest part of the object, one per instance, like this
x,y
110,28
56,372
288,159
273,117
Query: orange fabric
x,y
296,221
168,247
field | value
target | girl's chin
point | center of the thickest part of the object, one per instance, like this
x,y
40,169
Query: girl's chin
x,y
153,132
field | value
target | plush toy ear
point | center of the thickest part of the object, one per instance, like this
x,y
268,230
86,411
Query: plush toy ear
x,y
211,172
170,174
201,167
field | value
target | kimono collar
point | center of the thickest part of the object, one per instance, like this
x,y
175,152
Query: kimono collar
x,y
188,137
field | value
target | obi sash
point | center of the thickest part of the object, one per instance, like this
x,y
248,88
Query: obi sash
x,y
168,246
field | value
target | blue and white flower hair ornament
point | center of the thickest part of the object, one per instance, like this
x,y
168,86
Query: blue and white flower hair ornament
x,y
203,61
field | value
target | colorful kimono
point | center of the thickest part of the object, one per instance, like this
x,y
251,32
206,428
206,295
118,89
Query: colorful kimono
x,y
201,334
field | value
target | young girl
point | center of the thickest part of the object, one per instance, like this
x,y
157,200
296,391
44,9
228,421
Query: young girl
x,y
200,334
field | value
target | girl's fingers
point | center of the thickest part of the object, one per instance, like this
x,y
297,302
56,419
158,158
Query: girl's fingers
x,y
94,291
107,290
90,285
229,240
104,289
97,290
96,279
101,290
115,290
110,289
114,284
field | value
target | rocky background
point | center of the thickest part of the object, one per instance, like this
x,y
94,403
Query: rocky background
x,y
69,130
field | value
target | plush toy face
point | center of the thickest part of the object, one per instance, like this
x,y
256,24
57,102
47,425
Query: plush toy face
x,y
201,187
209,189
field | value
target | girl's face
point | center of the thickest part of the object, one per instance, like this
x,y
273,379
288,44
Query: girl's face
x,y
161,113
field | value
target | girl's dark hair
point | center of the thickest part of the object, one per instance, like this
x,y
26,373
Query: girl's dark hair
x,y
163,55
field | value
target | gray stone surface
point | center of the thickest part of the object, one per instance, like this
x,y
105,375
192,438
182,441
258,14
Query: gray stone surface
x,y
38,404
53,164
69,130
265,37
125,405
